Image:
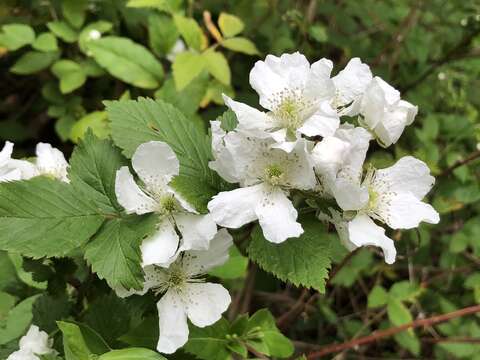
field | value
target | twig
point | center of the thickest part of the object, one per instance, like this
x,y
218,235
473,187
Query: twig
x,y
377,335
294,311
248,289
473,156
212,29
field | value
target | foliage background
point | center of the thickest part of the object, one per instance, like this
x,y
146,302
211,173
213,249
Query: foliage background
x,y
53,89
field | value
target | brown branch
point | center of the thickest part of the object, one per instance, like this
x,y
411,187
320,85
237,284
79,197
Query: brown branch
x,y
248,289
377,335
212,29
473,156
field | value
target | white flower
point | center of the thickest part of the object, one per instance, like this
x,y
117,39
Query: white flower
x,y
186,294
51,161
13,169
94,34
35,342
178,47
392,196
296,95
384,113
156,164
265,175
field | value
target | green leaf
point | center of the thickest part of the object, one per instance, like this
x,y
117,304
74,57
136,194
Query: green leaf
x,y
240,44
128,61
96,121
188,100
92,28
190,31
235,267
93,167
63,126
23,275
70,74
162,33
302,261
217,65
47,310
33,61
230,25
398,313
80,341
44,217
120,239
136,122
404,291
15,36
210,342
45,42
17,321
265,337
144,335
7,302
74,11
62,30
318,33
132,354
165,5
186,67
409,341
377,297
228,120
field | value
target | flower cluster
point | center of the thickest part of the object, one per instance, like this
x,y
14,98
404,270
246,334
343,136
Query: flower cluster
x,y
34,344
307,143
49,162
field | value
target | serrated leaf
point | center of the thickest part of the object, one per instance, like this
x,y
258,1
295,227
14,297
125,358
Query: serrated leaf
x,y
93,167
240,44
217,65
186,67
190,31
74,11
80,341
120,239
127,61
33,61
96,121
62,30
162,33
230,25
45,42
132,354
15,36
136,122
70,74
301,261
44,217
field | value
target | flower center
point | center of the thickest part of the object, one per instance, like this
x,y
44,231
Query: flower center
x,y
167,204
372,198
274,174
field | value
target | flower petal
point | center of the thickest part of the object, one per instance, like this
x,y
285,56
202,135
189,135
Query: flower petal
x,y
350,195
328,157
300,173
197,230
351,83
205,303
278,74
277,216
155,163
197,262
36,341
6,153
407,175
161,246
236,208
129,194
172,322
359,140
51,161
23,355
250,120
405,211
363,231
319,86
324,122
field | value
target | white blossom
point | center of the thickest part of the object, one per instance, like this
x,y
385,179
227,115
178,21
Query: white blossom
x,y
385,113
178,48
186,294
51,161
35,342
156,164
13,169
266,175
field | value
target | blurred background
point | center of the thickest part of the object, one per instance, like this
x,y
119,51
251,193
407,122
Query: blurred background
x,y
60,59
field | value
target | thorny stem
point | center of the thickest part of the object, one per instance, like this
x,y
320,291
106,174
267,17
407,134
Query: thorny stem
x,y
473,156
392,331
